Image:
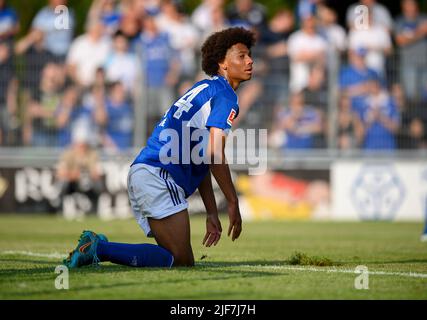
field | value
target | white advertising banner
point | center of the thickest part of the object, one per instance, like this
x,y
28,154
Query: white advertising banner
x,y
375,190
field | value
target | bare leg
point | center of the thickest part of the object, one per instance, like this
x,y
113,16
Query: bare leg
x,y
173,234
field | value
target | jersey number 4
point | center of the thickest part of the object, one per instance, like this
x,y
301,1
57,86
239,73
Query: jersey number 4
x,y
184,104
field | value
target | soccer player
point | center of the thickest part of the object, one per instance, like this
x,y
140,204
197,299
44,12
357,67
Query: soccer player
x,y
169,169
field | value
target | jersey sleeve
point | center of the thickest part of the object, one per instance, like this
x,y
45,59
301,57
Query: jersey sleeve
x,y
223,112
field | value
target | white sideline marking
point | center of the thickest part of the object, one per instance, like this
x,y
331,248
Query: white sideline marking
x,y
329,270
53,255
57,255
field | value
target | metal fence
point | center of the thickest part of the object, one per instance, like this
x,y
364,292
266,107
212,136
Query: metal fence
x,y
41,107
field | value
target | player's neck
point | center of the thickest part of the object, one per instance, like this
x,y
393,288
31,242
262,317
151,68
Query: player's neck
x,y
232,82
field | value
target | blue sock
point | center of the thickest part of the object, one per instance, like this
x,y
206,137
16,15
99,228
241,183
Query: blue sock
x,y
134,255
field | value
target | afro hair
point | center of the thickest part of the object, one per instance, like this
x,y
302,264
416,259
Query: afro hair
x,y
215,47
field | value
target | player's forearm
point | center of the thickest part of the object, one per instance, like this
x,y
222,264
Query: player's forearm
x,y
219,166
222,175
207,195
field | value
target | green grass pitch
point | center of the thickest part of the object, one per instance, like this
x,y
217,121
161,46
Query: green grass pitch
x,y
256,266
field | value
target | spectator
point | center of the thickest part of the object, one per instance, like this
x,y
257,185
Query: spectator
x,y
9,23
8,95
40,126
218,22
350,129
300,123
399,97
117,119
307,50
376,40
202,15
121,64
269,84
379,13
356,77
9,26
87,53
56,40
417,134
92,97
184,37
105,11
72,113
246,13
413,132
160,68
78,169
35,58
333,33
274,37
380,118
411,38
130,26
306,8
316,91
151,7
424,93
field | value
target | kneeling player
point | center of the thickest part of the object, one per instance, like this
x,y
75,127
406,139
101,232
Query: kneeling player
x,y
159,183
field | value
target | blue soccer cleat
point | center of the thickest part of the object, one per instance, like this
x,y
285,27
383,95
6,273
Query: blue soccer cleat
x,y
85,252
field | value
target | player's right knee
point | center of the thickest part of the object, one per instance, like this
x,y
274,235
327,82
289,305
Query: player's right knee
x,y
182,260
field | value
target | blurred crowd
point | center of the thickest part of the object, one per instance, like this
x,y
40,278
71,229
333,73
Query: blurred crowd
x,y
367,78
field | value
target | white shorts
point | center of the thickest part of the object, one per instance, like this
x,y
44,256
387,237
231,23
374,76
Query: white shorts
x,y
153,194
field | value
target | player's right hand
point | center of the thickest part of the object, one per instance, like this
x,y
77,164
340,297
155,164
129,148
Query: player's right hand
x,y
213,230
235,227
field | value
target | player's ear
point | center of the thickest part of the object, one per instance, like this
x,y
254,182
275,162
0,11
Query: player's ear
x,y
223,65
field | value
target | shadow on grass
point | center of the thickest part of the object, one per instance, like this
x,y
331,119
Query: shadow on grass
x,y
261,263
199,273
51,270
241,263
60,294
200,266
27,261
106,269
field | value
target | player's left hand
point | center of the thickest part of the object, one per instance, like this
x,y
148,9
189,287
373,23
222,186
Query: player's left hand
x,y
235,227
213,230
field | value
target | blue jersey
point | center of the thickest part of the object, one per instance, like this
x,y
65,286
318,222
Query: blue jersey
x,y
377,136
120,124
350,76
302,140
184,129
